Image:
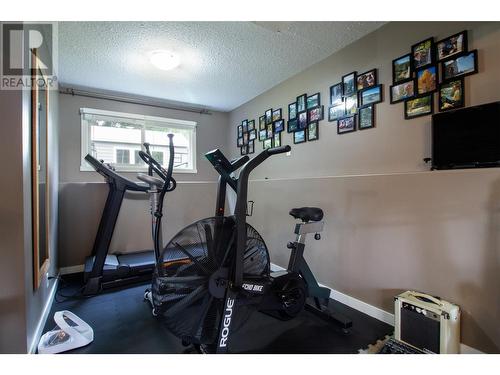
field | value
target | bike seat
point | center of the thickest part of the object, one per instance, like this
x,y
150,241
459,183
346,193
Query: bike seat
x,y
307,213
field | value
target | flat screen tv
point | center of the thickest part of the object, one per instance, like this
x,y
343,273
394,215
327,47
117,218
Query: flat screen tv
x,y
467,137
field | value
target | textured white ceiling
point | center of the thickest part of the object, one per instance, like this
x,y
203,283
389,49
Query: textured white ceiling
x,y
223,64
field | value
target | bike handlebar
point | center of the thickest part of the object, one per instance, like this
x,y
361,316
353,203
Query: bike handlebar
x,y
278,150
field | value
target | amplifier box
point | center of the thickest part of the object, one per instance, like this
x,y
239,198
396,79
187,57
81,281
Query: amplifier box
x,y
427,323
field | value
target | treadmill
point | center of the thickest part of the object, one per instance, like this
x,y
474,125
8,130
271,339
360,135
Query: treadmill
x,y
103,270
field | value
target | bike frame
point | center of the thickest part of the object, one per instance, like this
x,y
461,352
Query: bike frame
x,y
240,186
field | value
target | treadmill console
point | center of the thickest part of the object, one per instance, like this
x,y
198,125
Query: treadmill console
x,y
112,177
218,160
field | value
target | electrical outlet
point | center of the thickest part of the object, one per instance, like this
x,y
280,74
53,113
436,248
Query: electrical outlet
x,y
289,153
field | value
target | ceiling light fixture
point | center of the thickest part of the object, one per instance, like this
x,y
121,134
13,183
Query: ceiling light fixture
x,y
164,60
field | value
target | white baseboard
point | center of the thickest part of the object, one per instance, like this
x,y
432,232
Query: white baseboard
x,y
71,269
43,318
354,303
370,310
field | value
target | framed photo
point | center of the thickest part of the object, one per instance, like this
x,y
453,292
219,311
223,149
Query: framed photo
x,y
244,150
269,116
366,117
349,84
252,134
370,95
292,111
402,91
401,68
313,101
262,122
268,143
277,140
427,79
346,124
301,103
240,131
251,148
299,136
423,53
251,125
452,45
420,106
336,94
262,134
244,125
335,112
302,120
451,95
367,79
270,130
240,142
277,114
315,114
351,104
292,125
279,126
245,138
460,66
313,131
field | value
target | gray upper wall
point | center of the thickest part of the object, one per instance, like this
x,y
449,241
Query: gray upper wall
x,y
396,144
12,292
210,133
22,307
390,225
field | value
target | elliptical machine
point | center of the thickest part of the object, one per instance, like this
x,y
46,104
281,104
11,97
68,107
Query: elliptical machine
x,y
158,187
222,269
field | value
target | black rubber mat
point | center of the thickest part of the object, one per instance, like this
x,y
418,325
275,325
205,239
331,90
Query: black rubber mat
x,y
123,323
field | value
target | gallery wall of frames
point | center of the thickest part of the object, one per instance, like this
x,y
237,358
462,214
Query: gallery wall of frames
x,y
433,67
430,67
352,101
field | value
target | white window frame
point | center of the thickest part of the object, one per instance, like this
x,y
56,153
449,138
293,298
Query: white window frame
x,y
169,122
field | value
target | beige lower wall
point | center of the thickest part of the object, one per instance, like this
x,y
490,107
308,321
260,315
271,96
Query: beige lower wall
x,y
81,206
437,232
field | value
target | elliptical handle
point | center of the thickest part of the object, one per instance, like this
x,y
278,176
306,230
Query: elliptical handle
x,y
146,147
170,169
165,175
278,150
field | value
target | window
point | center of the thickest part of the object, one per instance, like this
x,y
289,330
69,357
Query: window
x,y
158,156
117,139
122,156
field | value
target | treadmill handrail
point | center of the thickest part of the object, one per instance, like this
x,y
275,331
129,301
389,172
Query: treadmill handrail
x,y
111,175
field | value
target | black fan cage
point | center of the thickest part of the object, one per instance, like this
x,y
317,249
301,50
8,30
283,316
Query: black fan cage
x,y
180,286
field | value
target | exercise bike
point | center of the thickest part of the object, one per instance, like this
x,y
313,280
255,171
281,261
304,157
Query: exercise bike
x,y
222,269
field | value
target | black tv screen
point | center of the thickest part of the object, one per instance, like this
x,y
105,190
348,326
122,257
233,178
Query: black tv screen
x,y
467,138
